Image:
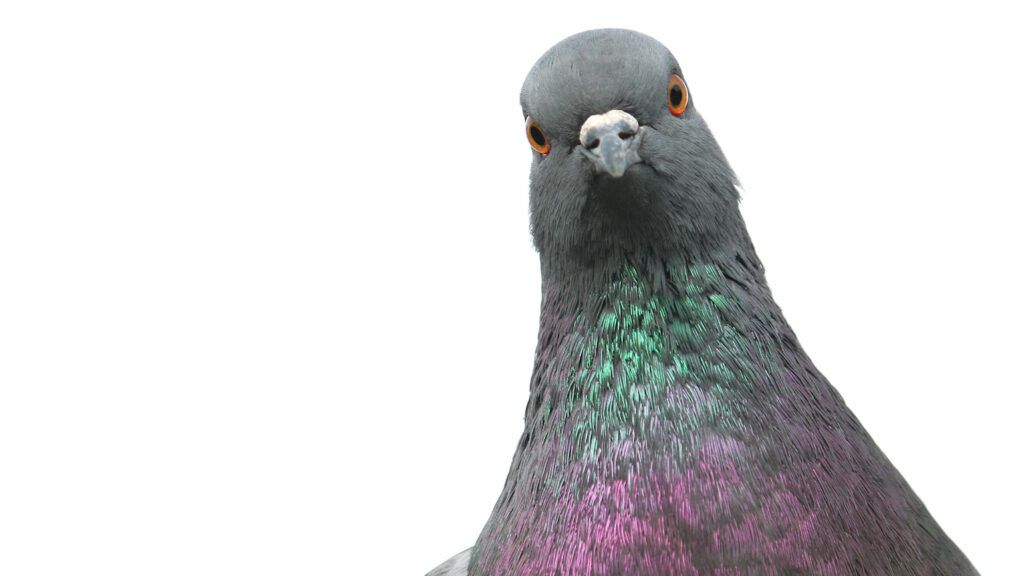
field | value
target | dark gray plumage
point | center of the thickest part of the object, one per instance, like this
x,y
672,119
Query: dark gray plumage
x,y
675,425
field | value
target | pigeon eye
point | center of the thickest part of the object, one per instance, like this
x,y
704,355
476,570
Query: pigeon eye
x,y
536,136
678,95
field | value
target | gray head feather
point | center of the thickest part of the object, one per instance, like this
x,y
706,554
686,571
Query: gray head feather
x,y
679,196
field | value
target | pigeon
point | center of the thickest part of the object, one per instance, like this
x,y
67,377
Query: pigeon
x,y
675,426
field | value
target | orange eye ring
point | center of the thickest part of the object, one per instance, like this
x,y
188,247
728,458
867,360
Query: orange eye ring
x,y
536,136
678,95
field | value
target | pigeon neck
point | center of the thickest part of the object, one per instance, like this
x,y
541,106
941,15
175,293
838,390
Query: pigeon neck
x,y
617,341
570,277
660,342
645,374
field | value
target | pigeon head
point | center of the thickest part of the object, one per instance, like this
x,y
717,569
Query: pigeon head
x,y
622,161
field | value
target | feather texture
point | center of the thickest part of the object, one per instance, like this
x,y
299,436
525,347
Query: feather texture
x,y
675,426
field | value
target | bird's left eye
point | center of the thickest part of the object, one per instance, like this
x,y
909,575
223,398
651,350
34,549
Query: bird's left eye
x,y
678,95
536,137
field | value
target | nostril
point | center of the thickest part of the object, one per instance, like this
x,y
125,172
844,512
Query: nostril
x,y
613,128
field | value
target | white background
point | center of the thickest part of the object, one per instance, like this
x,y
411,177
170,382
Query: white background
x,y
268,302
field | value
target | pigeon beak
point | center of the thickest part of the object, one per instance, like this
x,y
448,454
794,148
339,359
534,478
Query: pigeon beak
x,y
611,141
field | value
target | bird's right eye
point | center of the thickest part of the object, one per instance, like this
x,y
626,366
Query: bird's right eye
x,y
536,136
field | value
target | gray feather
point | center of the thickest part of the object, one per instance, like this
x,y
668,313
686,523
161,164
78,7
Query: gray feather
x,y
457,565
